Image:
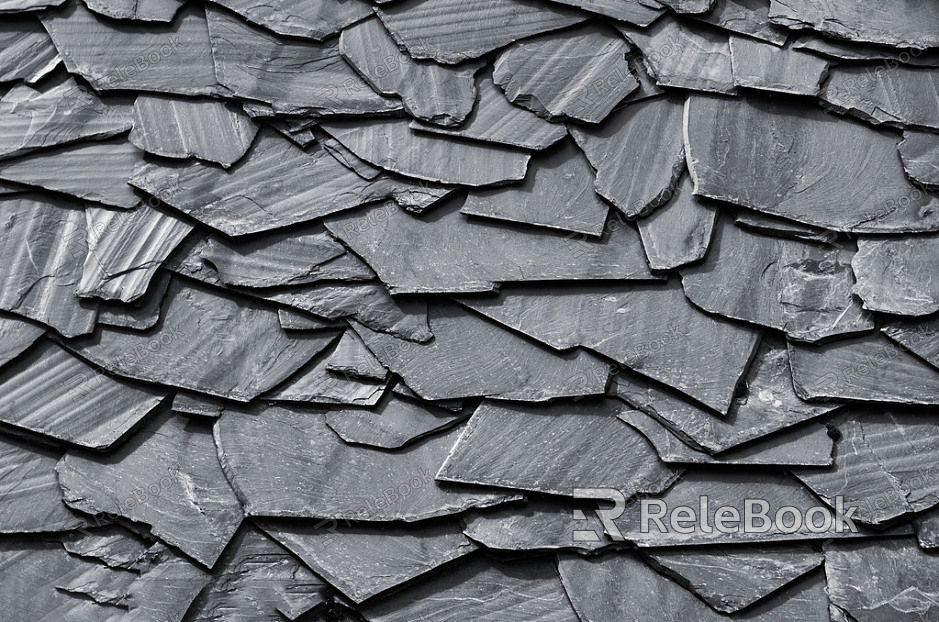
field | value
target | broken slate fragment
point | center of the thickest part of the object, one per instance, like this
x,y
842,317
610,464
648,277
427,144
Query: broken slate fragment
x,y
638,154
919,337
863,190
746,17
291,319
26,51
298,18
471,356
775,226
429,92
679,233
553,449
557,193
902,96
451,31
288,463
16,336
920,154
352,358
166,587
895,275
802,289
137,10
200,405
578,74
111,545
766,67
363,560
143,313
689,6
167,477
638,12
391,424
851,50
178,127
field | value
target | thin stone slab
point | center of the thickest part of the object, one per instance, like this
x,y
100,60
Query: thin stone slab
x,y
449,252
27,51
111,545
638,154
902,96
685,55
430,92
471,356
96,171
50,392
578,74
689,7
766,67
554,449
652,329
678,233
927,529
297,18
199,405
143,313
829,172
775,226
887,580
393,146
638,12
30,497
289,463
103,51
393,423
125,249
452,31
352,359
291,319
513,591
137,10
254,63
768,404
863,369
103,585
362,560
59,113
557,193
165,590
176,127
208,341
919,152
852,50
885,464
746,17
910,23
495,120
918,337
895,275
734,577
802,289
16,336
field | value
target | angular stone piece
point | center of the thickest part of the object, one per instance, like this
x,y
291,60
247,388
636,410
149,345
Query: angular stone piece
x,y
103,51
362,560
471,356
210,342
927,528
775,226
298,18
689,6
16,336
111,545
520,590
652,329
428,91
895,275
544,449
144,313
638,12
802,289
852,50
495,120
449,252
578,74
679,233
734,577
352,358
254,63
869,368
393,423
909,23
901,96
638,154
176,127
451,31
767,67
165,590
195,404
289,463
557,193
392,145
27,51
919,152
137,10
862,190
297,320
747,17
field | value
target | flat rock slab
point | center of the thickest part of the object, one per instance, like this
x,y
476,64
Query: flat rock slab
x,y
111,545
166,588
578,74
363,560
638,12
652,329
169,478
137,10
177,127
919,152
451,31
143,313
775,226
896,275
863,369
297,18
449,252
200,405
28,52
766,67
289,463
557,193
352,359
16,335
392,424
902,96
638,154
555,449
392,145
678,233
731,578
507,592
746,17
802,289
472,356
689,7
822,157
207,341
880,580
429,91
911,23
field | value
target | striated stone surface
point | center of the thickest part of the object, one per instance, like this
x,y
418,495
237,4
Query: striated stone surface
x,y
767,67
678,233
298,18
901,96
27,51
919,152
896,275
393,423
